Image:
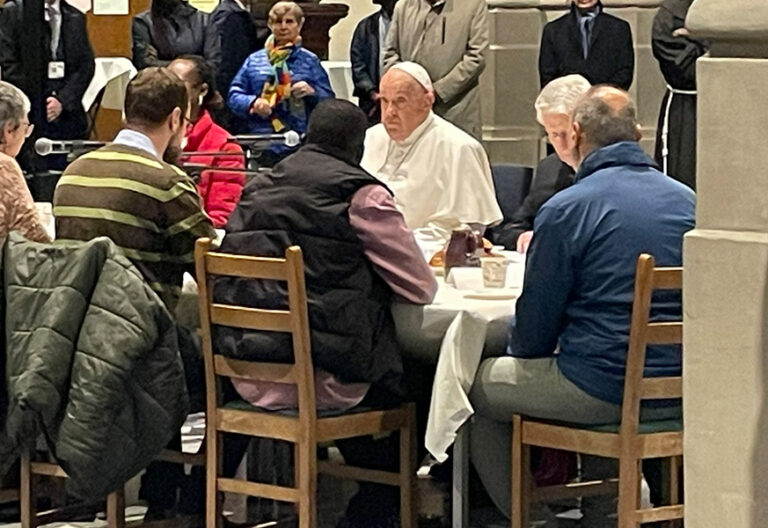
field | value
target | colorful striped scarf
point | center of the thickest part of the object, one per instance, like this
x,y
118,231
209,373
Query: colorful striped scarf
x,y
278,86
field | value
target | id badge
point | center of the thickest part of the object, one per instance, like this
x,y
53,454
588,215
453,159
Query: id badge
x,y
56,70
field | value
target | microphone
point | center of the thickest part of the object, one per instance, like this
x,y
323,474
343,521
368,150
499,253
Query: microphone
x,y
45,146
289,139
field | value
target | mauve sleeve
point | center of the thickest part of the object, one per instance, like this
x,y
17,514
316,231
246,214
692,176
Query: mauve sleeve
x,y
390,246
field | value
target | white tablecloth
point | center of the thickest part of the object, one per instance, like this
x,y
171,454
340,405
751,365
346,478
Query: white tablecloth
x,y
340,74
461,329
114,74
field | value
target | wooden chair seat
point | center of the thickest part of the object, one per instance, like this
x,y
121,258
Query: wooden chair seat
x,y
630,441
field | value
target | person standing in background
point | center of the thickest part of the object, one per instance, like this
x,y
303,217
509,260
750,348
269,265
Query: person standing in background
x,y
449,39
589,42
677,53
367,56
241,33
169,29
69,70
278,87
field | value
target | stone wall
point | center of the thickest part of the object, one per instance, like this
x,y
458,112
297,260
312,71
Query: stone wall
x,y
511,80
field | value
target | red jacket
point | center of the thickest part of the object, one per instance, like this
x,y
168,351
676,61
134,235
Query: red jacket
x,y
220,191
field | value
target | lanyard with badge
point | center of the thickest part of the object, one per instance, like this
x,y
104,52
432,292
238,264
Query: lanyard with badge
x,y
56,68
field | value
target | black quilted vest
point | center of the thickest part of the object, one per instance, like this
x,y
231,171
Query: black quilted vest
x,y
305,202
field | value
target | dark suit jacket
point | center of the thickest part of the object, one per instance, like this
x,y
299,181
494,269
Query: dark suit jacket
x,y
185,32
551,176
77,55
366,70
611,57
241,34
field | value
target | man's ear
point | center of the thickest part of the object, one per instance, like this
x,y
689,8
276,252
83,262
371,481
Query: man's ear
x,y
577,132
638,132
204,89
175,119
430,98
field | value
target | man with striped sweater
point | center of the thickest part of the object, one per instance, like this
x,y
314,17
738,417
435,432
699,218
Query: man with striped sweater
x,y
127,192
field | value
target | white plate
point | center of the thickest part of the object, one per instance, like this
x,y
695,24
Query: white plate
x,y
492,295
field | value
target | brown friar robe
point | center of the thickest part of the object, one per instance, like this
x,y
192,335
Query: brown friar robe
x,y
448,38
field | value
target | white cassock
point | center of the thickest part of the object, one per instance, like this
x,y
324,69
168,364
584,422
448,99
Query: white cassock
x,y
440,177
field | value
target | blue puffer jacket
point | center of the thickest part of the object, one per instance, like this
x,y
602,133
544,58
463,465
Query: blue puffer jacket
x,y
294,113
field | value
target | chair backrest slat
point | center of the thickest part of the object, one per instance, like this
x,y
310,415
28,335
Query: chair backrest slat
x,y
661,388
246,267
664,334
251,370
668,278
251,318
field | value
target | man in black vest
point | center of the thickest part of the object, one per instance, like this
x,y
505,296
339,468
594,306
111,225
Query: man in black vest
x,y
358,254
69,66
589,42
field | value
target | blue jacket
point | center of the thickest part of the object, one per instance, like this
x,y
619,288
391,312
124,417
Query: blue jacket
x,y
578,289
256,70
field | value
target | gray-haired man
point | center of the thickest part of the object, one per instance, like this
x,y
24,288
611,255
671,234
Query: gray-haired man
x,y
554,109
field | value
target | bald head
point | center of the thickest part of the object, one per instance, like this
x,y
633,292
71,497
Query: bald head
x,y
405,103
604,116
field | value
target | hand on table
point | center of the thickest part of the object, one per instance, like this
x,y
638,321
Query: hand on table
x,y
261,108
52,109
523,241
302,89
681,32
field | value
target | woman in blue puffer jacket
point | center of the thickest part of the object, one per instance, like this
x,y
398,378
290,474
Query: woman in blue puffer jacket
x,y
278,87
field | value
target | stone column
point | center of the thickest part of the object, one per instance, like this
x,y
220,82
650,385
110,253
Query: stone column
x,y
726,274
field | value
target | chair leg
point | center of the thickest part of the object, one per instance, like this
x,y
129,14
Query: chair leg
x,y
674,480
305,460
520,477
116,509
26,495
408,505
629,491
212,471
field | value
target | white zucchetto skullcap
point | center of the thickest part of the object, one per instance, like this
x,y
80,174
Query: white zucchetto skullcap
x,y
416,71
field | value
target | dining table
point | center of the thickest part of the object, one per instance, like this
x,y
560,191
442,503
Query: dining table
x,y
465,323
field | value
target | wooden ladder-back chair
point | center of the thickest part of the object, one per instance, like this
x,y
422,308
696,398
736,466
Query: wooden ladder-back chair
x,y
115,504
631,441
304,429
31,471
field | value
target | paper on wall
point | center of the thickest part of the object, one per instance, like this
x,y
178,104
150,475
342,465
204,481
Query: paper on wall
x,y
110,7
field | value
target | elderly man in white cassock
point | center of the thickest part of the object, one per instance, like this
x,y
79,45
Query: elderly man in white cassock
x,y
439,174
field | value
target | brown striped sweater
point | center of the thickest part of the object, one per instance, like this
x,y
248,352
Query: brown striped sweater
x,y
149,208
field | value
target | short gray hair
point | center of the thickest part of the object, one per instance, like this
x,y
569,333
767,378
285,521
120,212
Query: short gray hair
x,y
604,123
14,105
561,95
280,9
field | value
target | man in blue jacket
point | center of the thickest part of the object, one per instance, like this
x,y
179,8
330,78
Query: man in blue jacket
x,y
567,346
